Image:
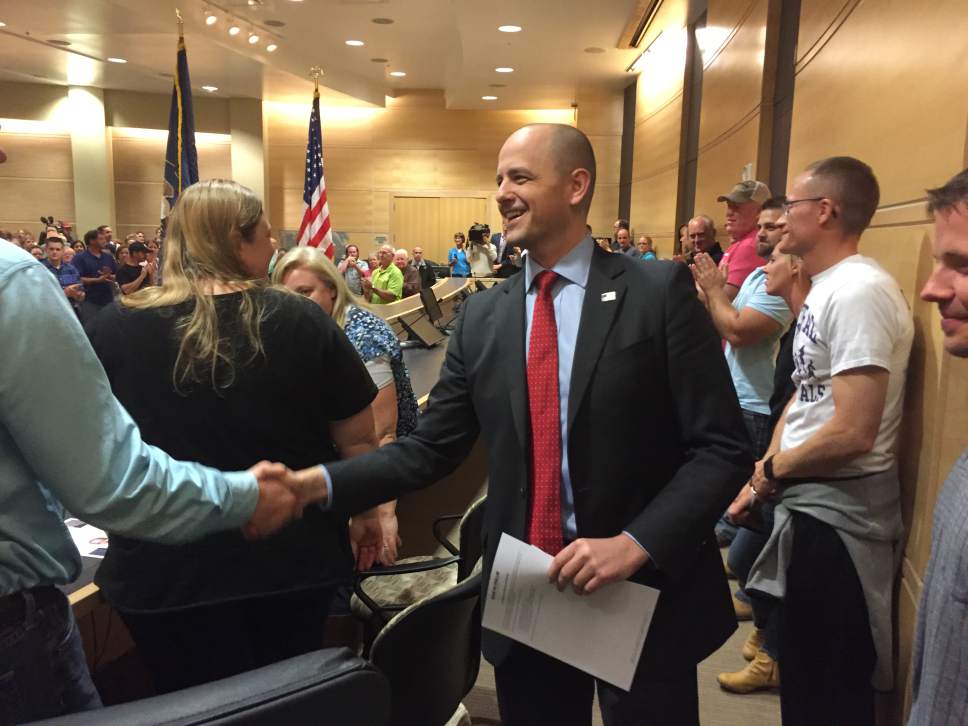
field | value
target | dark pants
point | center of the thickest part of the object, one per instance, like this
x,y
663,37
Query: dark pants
x,y
743,551
188,647
826,649
43,671
760,432
533,688
88,311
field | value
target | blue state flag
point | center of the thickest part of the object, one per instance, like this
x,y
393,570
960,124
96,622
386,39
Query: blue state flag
x,y
181,159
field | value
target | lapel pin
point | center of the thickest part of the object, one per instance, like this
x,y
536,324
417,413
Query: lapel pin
x,y
608,296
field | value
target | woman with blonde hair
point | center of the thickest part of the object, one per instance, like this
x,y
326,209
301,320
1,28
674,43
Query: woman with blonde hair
x,y
217,367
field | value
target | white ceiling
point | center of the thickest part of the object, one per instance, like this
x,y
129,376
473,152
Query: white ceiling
x,y
451,45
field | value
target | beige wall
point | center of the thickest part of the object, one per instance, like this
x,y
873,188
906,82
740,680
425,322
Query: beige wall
x,y
413,147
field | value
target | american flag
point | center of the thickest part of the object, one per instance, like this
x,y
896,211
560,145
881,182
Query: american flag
x,y
315,229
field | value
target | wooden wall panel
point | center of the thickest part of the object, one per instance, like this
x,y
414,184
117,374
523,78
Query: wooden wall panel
x,y
37,180
413,147
720,167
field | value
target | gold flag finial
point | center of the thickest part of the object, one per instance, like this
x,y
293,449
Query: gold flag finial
x,y
316,73
181,23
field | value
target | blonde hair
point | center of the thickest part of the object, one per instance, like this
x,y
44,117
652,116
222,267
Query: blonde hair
x,y
206,230
315,260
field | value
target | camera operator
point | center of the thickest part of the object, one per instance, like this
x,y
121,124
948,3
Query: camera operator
x,y
482,253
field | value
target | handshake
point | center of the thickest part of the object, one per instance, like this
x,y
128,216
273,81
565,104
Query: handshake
x,y
284,494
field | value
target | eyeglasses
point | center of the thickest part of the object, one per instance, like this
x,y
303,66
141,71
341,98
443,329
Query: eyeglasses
x,y
790,202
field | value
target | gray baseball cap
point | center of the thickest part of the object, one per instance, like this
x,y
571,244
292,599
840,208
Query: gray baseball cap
x,y
747,191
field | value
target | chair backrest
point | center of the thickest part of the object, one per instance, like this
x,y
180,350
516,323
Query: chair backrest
x,y
469,538
431,653
331,686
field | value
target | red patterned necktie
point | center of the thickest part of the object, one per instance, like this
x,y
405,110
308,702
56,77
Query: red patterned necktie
x,y
544,522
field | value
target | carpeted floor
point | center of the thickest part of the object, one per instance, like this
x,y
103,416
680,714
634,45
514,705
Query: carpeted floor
x,y
716,707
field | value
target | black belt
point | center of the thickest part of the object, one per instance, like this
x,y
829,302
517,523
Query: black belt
x,y
13,607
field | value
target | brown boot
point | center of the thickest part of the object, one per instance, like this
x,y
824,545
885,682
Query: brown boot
x,y
744,611
763,673
753,643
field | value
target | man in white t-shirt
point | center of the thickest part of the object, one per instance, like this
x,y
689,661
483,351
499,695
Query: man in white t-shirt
x,y
830,466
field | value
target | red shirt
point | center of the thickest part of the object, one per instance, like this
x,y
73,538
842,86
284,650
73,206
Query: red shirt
x,y
742,259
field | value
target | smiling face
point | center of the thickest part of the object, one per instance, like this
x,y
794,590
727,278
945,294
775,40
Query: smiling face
x,y
535,195
741,219
948,284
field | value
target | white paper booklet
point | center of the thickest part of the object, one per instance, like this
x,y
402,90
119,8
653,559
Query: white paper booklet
x,y
601,634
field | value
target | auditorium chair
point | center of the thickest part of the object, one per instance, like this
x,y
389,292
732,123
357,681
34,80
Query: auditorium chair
x,y
381,593
430,653
330,686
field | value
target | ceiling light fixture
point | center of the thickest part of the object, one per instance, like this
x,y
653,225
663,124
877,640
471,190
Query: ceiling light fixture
x,y
382,21
253,38
398,74
117,60
509,28
2,24
211,18
488,98
271,48
235,30
504,69
210,89
355,43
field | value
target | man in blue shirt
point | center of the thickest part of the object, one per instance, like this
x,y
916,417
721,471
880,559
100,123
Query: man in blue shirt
x,y
457,258
97,268
66,274
103,472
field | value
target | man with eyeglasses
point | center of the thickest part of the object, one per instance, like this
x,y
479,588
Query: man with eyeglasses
x,y
831,468
743,205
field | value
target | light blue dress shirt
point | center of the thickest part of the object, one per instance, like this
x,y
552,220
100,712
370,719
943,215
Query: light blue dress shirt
x,y
66,441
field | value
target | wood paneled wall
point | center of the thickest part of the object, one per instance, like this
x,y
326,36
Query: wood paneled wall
x,y
857,93
139,160
37,179
413,147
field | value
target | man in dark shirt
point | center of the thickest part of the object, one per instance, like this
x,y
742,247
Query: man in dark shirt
x,y
137,273
66,274
702,234
411,278
424,269
97,269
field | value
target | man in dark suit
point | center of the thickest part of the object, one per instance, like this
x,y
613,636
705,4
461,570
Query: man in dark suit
x,y
597,338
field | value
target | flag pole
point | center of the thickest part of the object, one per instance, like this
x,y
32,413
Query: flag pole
x,y
316,73
181,24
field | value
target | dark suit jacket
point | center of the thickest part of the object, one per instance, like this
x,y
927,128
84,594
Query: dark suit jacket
x,y
647,364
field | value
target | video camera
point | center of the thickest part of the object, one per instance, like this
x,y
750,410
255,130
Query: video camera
x,y
60,225
477,233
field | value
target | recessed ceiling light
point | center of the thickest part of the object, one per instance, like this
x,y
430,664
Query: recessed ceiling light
x,y
235,30
211,18
398,74
64,43
117,60
271,48
594,50
4,25
382,21
509,28
504,69
253,38
488,98
355,43
210,89
379,60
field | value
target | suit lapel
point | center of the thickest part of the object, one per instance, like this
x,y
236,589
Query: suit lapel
x,y
597,315
510,327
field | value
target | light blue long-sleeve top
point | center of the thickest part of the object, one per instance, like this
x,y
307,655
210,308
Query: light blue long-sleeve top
x,y
65,441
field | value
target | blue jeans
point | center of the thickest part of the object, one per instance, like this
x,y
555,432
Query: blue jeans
x,y
743,551
43,671
760,432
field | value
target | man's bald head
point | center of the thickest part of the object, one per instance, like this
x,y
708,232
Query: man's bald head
x,y
568,147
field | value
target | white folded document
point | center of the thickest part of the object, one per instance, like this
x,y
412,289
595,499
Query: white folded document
x,y
601,634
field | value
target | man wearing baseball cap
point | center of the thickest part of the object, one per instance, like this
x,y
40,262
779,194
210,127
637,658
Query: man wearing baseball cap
x,y
137,273
743,205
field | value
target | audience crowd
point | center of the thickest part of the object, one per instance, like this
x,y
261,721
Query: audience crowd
x,y
815,336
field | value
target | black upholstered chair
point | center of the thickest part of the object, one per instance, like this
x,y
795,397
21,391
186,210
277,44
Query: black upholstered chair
x,y
431,652
330,686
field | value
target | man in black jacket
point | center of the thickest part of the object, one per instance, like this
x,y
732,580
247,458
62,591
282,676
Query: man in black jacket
x,y
590,338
